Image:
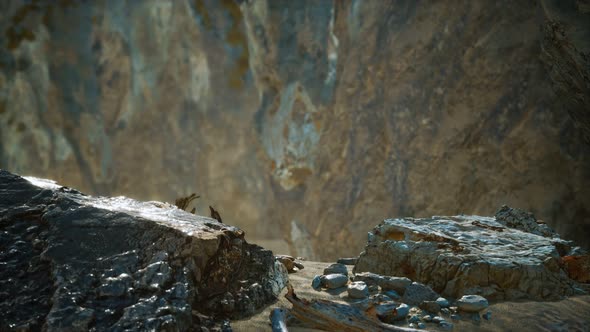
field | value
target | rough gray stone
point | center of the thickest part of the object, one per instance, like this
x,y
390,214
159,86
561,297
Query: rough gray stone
x,y
472,303
115,286
522,220
358,290
336,268
421,325
417,293
117,263
459,255
334,280
398,284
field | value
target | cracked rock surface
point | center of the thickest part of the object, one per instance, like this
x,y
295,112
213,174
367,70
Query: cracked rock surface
x,y
74,262
504,258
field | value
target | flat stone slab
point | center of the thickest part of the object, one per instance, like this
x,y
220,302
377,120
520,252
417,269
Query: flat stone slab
x,y
69,261
460,255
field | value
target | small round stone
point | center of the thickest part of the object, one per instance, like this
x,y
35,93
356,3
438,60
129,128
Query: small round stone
x,y
487,315
472,303
336,268
316,283
442,302
334,280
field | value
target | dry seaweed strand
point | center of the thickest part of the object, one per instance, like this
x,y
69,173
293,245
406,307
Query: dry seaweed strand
x,y
331,316
215,214
183,202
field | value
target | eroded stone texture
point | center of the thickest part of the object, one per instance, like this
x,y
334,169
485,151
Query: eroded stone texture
x,y
351,109
76,262
472,255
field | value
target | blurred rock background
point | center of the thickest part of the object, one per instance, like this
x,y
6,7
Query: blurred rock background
x,y
306,122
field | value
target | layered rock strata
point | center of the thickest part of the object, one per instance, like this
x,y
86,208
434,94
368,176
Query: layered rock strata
x,y
504,258
75,262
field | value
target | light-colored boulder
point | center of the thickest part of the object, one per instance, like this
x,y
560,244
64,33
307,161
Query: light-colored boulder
x,y
460,255
472,303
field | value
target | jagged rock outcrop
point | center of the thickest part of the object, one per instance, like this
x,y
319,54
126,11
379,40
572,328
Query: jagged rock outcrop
x,y
504,258
355,110
74,262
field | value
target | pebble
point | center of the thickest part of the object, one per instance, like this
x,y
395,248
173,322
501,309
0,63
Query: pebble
x,y
414,319
316,283
421,325
442,302
358,290
456,317
412,326
438,319
336,268
472,303
347,261
427,318
445,311
487,315
402,311
334,280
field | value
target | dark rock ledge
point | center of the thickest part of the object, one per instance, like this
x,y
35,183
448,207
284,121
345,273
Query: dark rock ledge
x,y
69,261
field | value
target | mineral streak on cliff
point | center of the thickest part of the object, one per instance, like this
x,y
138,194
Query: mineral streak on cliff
x,y
324,114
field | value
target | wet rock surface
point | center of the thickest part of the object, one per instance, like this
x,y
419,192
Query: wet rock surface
x,y
74,262
509,257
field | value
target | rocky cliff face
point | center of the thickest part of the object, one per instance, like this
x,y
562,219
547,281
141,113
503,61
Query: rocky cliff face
x,y
305,117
